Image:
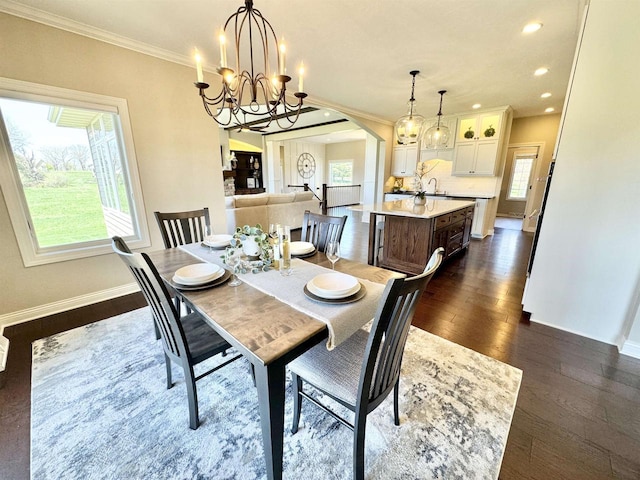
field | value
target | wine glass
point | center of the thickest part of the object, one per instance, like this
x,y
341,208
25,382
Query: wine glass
x,y
332,251
232,259
208,232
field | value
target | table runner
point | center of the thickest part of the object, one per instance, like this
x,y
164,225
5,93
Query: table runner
x,y
342,320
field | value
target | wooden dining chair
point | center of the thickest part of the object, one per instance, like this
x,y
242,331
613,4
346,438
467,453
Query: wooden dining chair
x,y
186,340
320,229
361,372
180,228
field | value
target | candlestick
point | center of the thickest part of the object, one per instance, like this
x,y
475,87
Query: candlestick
x,y
301,77
223,50
281,60
199,67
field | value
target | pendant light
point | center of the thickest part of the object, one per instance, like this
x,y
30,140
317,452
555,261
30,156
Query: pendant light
x,y
409,128
437,136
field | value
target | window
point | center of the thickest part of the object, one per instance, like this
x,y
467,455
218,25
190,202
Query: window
x,y
68,171
341,172
520,173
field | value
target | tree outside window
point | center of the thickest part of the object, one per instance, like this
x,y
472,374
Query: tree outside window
x,y
341,172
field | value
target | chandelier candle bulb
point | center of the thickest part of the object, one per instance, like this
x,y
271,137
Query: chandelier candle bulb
x,y
282,59
223,50
199,67
301,78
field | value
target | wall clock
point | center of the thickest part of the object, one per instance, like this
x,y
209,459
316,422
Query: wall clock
x,y
306,165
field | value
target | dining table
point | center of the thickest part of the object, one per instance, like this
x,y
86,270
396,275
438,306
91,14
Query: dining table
x,y
267,331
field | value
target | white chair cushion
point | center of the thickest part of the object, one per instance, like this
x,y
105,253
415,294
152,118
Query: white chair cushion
x,y
336,371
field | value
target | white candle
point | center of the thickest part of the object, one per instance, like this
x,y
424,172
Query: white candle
x,y
301,77
223,50
199,67
281,60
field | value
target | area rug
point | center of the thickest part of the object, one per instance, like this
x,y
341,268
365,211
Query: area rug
x,y
101,410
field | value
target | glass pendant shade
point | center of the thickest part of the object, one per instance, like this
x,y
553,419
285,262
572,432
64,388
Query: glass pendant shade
x,y
438,135
409,128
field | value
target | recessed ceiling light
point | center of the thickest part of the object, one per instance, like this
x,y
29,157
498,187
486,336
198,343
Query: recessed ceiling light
x,y
531,27
326,114
541,71
549,110
545,95
475,106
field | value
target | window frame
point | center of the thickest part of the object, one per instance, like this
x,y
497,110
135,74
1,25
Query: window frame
x,y
14,196
332,163
526,156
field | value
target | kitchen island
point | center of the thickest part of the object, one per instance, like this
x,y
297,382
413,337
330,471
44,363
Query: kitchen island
x,y
402,236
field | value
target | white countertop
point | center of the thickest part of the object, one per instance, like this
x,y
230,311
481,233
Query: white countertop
x,y
406,208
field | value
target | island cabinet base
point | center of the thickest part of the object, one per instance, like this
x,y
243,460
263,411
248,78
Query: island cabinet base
x,y
405,243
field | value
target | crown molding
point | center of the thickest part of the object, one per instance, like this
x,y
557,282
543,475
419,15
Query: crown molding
x,y
36,15
40,16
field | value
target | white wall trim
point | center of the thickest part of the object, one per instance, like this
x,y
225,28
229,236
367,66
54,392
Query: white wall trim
x,y
575,332
631,348
32,313
56,21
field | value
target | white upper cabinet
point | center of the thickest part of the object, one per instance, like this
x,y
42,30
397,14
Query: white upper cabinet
x,y
478,141
405,159
483,126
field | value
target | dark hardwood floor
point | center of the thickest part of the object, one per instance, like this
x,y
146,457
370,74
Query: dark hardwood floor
x,y
578,411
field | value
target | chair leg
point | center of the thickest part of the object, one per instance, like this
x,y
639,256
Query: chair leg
x,y
192,396
167,364
396,409
253,374
358,446
156,329
297,401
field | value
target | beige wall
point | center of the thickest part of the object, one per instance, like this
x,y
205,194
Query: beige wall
x,y
348,151
176,146
542,129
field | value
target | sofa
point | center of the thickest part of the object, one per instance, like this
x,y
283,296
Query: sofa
x,y
266,208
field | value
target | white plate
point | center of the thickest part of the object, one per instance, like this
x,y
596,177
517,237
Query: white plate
x,y
197,273
195,283
300,248
217,241
333,285
332,296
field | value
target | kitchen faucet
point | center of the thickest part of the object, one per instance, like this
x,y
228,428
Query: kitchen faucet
x,y
435,184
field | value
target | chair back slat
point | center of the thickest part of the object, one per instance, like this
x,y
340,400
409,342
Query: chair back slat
x,y
155,293
390,330
320,229
180,228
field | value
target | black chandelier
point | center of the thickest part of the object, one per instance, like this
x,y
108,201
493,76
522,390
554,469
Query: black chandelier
x,y
252,94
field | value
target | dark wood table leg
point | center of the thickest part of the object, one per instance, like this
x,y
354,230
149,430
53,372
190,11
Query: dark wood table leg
x,y
270,381
372,239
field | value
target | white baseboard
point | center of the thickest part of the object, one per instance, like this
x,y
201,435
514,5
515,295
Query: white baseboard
x,y
631,348
575,332
32,313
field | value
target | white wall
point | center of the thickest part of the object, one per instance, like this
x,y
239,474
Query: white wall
x,y
349,151
176,146
585,273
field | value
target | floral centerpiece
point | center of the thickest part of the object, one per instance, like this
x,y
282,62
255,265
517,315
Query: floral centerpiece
x,y
252,244
422,168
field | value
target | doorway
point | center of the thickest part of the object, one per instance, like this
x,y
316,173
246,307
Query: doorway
x,y
518,193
